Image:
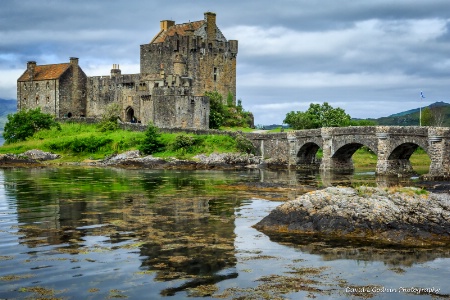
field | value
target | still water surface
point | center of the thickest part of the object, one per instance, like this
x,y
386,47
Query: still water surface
x,y
87,233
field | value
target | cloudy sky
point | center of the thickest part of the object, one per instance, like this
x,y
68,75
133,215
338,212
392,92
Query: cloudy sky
x,y
370,57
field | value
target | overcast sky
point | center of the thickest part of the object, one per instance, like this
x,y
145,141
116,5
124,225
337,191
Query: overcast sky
x,y
370,57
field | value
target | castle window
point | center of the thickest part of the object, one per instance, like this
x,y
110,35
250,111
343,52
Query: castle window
x,y
37,100
37,86
142,86
215,74
25,86
48,85
24,99
47,99
156,84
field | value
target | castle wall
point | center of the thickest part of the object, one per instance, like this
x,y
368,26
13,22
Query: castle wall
x,y
34,94
72,93
174,107
102,91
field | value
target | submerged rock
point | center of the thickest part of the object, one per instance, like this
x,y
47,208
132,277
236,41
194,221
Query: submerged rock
x,y
401,215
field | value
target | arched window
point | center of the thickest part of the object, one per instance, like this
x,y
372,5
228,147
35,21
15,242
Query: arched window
x,y
37,100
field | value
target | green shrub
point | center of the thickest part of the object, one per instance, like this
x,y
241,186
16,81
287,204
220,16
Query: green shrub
x,y
109,118
244,145
183,142
152,141
26,123
89,144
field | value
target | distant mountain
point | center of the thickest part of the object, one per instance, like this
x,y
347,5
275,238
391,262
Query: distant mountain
x,y
411,117
6,107
416,110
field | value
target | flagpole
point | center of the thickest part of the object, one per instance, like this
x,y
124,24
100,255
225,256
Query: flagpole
x,y
420,108
420,115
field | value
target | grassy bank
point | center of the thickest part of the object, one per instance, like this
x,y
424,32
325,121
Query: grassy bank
x,y
78,142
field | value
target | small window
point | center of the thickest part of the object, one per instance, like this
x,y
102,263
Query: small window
x,y
48,85
156,84
37,86
25,86
37,100
215,74
47,99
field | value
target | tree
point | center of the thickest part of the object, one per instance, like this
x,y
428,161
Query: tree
x,y
26,123
439,115
216,109
109,118
427,117
151,142
298,120
229,115
318,116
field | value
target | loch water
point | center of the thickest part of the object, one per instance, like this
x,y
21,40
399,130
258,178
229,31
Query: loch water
x,y
99,233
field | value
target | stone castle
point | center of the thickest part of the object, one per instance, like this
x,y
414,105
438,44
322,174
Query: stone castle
x,y
180,64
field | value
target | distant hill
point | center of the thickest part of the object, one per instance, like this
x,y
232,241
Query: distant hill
x,y
6,107
411,117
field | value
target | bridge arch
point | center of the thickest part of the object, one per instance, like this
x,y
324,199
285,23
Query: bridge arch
x,y
306,155
398,160
341,159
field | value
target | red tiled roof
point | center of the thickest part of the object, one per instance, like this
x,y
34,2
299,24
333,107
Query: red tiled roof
x,y
46,72
179,29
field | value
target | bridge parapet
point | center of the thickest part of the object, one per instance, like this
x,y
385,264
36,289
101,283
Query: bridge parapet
x,y
393,146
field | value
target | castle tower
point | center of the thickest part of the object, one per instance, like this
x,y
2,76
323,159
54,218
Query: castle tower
x,y
196,50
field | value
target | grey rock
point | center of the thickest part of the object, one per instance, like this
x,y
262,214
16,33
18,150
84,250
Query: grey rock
x,y
403,216
40,155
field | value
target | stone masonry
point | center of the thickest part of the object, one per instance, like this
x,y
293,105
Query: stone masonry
x,y
393,146
180,64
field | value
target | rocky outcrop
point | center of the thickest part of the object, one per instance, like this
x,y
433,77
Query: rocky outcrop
x,y
223,159
215,160
26,159
40,155
398,216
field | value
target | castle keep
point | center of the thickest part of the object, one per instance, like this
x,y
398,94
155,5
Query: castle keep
x,y
177,67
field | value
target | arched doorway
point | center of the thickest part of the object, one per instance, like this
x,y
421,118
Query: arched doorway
x,y
129,115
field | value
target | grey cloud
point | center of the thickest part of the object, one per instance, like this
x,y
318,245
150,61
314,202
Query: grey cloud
x,y
370,57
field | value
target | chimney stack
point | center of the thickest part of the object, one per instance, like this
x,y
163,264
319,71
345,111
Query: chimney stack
x,y
31,68
74,61
210,19
115,71
165,24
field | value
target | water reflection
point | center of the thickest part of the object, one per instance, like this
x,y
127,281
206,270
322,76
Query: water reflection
x,y
359,250
118,232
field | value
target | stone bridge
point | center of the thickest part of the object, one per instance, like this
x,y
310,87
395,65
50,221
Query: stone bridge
x,y
393,146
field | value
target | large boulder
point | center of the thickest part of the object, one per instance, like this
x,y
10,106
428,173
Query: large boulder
x,y
398,215
40,155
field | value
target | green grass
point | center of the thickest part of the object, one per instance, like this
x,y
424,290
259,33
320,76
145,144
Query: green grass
x,y
78,142
242,129
364,158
